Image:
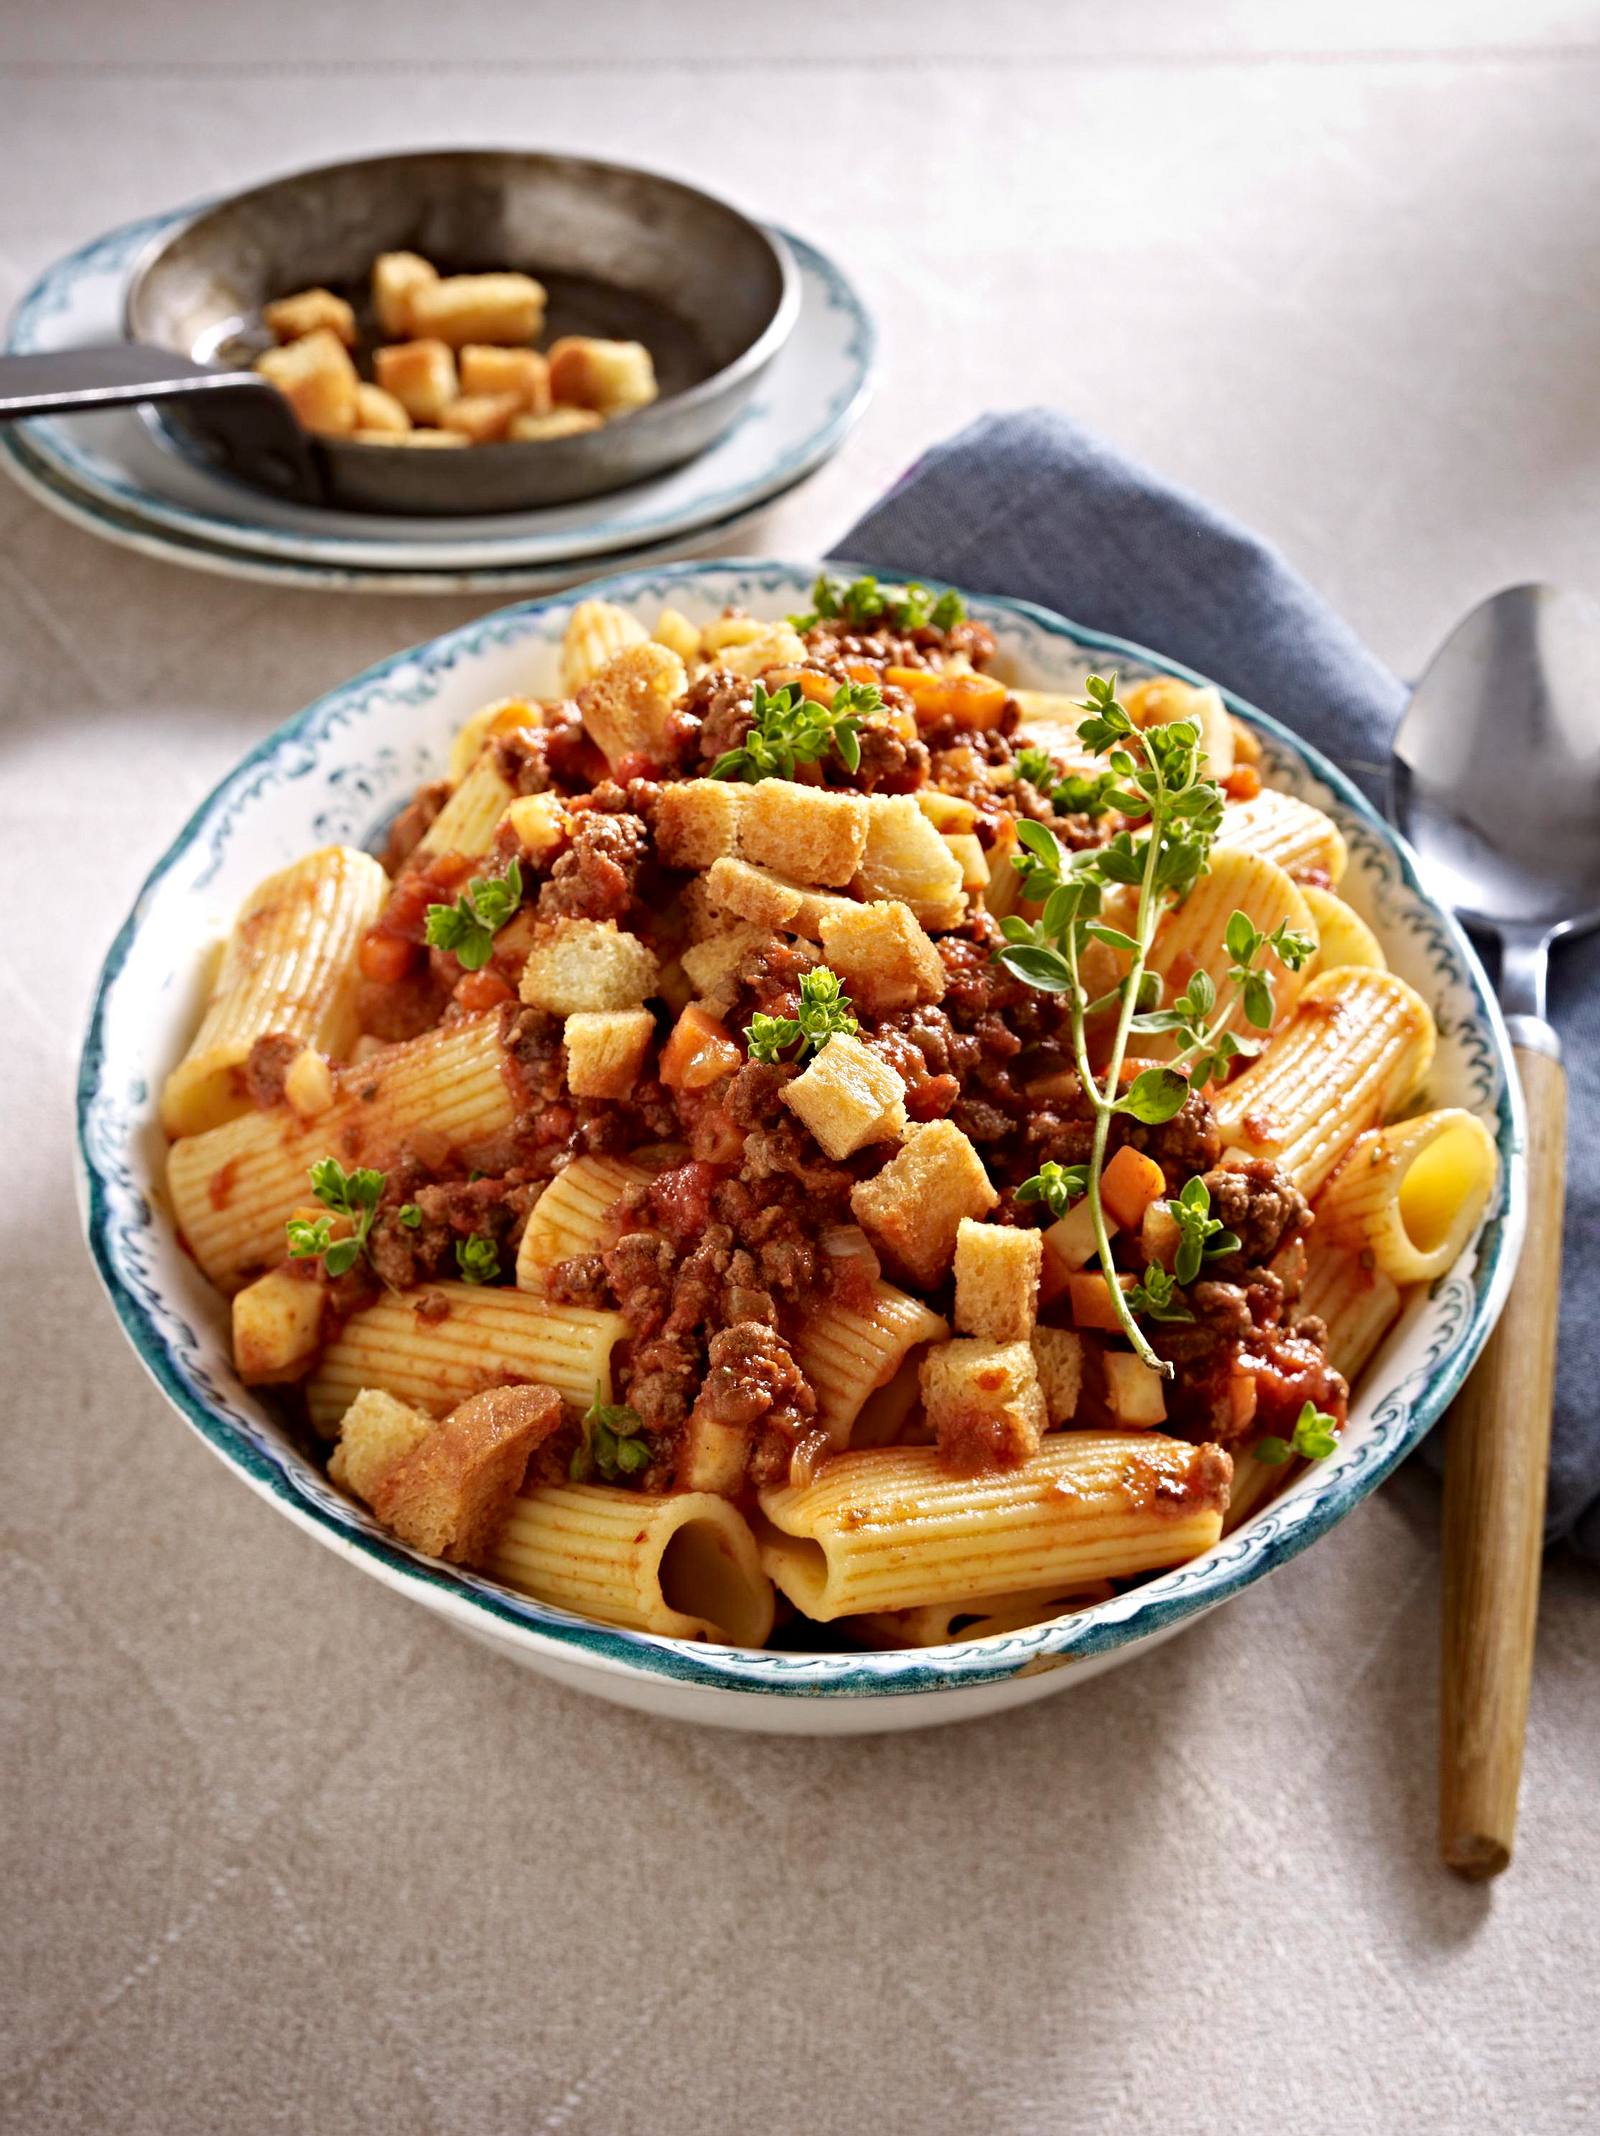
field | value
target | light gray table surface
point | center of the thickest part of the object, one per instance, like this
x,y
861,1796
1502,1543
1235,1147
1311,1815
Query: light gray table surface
x,y
281,1853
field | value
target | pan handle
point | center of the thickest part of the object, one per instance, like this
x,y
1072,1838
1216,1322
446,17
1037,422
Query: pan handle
x,y
242,423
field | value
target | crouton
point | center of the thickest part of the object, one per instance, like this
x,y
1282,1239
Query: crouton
x,y
883,957
523,373
376,1434
628,707
1058,1359
422,377
697,821
308,311
983,1402
769,900
610,376
596,632
451,1495
997,1280
607,1050
906,858
396,276
556,423
377,410
587,964
505,309
317,378
481,418
713,965
914,1206
779,645
946,812
804,832
277,1328
848,1096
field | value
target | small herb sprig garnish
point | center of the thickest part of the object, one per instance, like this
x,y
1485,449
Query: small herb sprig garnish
x,y
478,1258
613,1443
353,1195
1315,1437
789,729
909,607
1070,793
1156,1295
1201,1236
1205,1043
1058,1186
469,926
824,1013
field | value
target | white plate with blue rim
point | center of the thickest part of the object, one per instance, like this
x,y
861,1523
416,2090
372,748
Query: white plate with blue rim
x,y
807,404
339,770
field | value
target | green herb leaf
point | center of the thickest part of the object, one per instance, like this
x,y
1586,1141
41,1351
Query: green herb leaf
x,y
353,1195
1155,1095
468,927
307,1240
613,1443
824,1013
1155,1295
788,730
339,1258
1058,1186
1316,1434
410,1215
478,1258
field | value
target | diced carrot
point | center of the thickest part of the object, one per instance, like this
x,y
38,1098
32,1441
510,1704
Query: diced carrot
x,y
1243,783
1129,1184
481,990
970,700
385,957
1090,1299
861,671
699,1051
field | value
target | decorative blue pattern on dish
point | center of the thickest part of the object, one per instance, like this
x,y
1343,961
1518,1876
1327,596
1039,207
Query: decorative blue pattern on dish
x,y
190,1363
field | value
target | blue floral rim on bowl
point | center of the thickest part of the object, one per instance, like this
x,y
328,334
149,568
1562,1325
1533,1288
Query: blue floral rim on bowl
x,y
355,793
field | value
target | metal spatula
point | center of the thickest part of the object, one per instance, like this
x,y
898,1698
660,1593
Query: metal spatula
x,y
1496,782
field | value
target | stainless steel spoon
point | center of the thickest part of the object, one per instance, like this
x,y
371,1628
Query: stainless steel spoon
x,y
1496,782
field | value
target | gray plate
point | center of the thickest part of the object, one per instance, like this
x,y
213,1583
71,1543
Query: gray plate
x,y
623,253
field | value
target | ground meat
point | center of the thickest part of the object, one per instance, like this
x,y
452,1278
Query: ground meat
x,y
557,753
754,1095
752,1371
788,1150
583,1280
660,1384
412,823
448,1213
888,764
532,1042
1237,1335
639,1270
267,1065
697,1286
596,878
1261,1204
720,703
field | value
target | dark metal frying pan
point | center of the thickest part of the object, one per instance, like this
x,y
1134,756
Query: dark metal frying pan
x,y
623,253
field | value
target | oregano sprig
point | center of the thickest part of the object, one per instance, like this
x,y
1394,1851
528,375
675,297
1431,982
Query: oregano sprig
x,y
352,1195
789,729
613,1444
1316,1434
861,600
469,926
824,1013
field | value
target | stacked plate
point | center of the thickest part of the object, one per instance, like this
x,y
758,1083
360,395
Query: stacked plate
x,y
112,474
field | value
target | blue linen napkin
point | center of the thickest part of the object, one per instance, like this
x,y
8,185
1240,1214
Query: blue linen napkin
x,y
1028,504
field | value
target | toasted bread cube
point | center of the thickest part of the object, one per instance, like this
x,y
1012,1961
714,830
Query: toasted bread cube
x,y
769,900
628,707
377,410
376,1434
611,376
317,378
848,1097
428,439
596,632
883,956
607,1050
481,418
713,966
1133,1391
587,964
804,832
504,309
1058,1358
983,1402
558,423
452,1494
914,1206
997,1280
778,646
521,372
539,823
307,312
946,812
697,821
277,1328
907,859
396,276
421,375
673,628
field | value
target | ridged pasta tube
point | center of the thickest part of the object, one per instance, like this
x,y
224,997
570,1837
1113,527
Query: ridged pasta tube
x,y
405,1346
1357,1046
234,1188
1192,937
847,1354
1356,1303
1409,1197
569,1218
685,1566
289,967
1286,829
1343,936
596,632
468,821
892,1528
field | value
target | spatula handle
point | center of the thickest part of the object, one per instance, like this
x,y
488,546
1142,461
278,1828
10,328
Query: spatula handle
x,y
1495,1467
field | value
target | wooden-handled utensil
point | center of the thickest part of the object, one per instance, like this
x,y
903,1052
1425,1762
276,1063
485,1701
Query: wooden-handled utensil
x,y
1496,782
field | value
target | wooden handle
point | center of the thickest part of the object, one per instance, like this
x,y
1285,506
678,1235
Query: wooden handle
x,y
1495,1468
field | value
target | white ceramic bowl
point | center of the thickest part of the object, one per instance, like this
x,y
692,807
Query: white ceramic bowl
x,y
339,771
